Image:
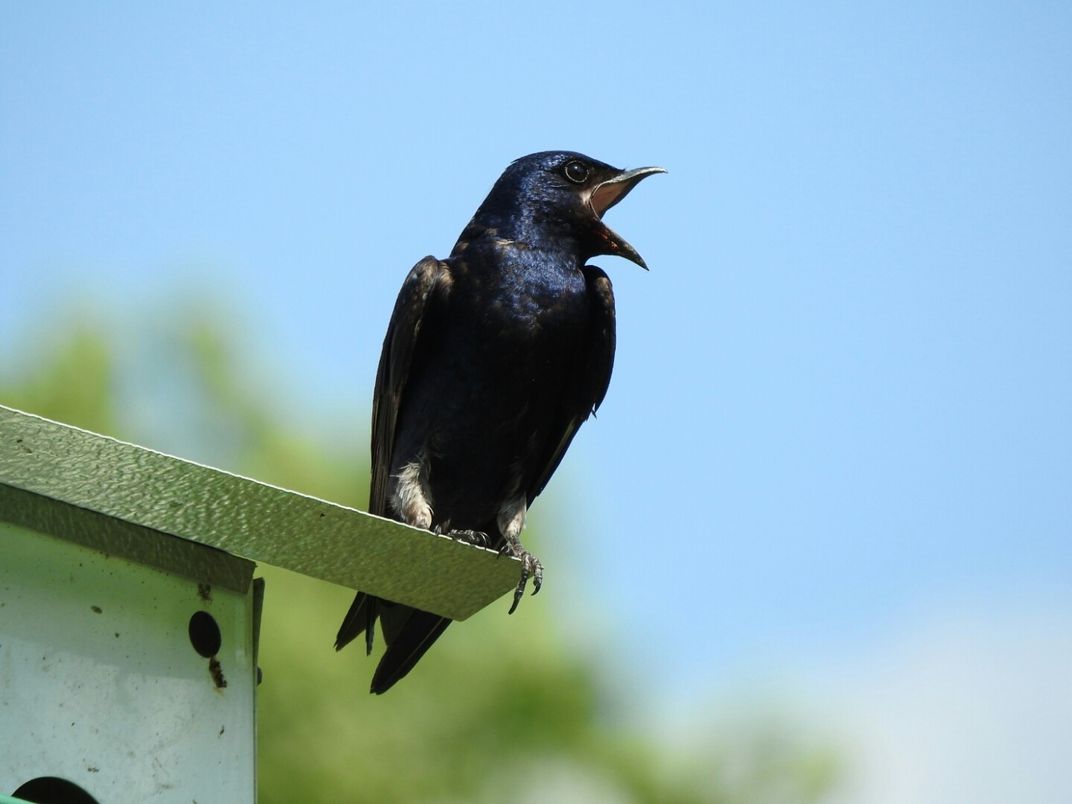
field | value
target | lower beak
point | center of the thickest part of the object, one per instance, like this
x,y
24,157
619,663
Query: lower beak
x,y
606,195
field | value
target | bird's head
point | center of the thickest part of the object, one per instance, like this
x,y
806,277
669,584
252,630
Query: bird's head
x,y
561,196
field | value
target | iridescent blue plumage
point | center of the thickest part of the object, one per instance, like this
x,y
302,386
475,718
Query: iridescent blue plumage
x,y
492,360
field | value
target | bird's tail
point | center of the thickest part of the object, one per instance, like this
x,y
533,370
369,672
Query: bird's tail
x,y
408,633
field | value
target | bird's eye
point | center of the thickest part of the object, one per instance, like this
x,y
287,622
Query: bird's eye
x,y
576,172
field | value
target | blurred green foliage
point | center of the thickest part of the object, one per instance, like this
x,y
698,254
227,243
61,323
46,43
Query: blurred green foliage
x,y
501,710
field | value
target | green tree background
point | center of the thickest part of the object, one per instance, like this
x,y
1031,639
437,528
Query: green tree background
x,y
504,709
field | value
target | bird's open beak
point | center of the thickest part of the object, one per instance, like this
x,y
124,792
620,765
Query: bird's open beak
x,y
605,195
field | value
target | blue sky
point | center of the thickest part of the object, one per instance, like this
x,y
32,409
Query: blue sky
x,y
841,398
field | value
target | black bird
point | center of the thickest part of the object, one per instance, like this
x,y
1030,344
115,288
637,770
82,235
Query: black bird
x,y
492,359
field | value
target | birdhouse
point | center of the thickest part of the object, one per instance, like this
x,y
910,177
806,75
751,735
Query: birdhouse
x,y
129,611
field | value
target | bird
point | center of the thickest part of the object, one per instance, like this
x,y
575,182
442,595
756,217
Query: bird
x,y
493,358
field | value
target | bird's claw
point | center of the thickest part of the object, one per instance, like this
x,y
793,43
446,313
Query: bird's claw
x,y
474,537
530,567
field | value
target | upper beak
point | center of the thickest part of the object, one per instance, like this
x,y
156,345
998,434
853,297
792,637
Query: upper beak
x,y
608,193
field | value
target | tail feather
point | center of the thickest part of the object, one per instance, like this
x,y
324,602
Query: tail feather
x,y
408,633
360,618
409,642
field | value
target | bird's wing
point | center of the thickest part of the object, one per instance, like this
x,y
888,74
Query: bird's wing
x,y
426,280
591,376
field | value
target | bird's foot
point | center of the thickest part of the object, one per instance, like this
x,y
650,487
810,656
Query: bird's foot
x,y
474,537
530,567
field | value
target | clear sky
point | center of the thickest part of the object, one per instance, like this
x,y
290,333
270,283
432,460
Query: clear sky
x,y
840,415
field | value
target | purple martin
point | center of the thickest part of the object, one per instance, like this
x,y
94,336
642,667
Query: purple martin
x,y
493,358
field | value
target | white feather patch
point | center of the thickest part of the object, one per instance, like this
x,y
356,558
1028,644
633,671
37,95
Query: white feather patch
x,y
410,500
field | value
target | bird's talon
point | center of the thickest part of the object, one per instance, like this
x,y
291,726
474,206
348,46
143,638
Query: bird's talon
x,y
518,593
474,537
530,567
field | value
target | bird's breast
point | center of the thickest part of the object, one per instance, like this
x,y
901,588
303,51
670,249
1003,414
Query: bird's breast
x,y
512,336
532,291
486,396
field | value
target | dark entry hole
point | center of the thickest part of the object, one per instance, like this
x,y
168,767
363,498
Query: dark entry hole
x,y
205,634
52,790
